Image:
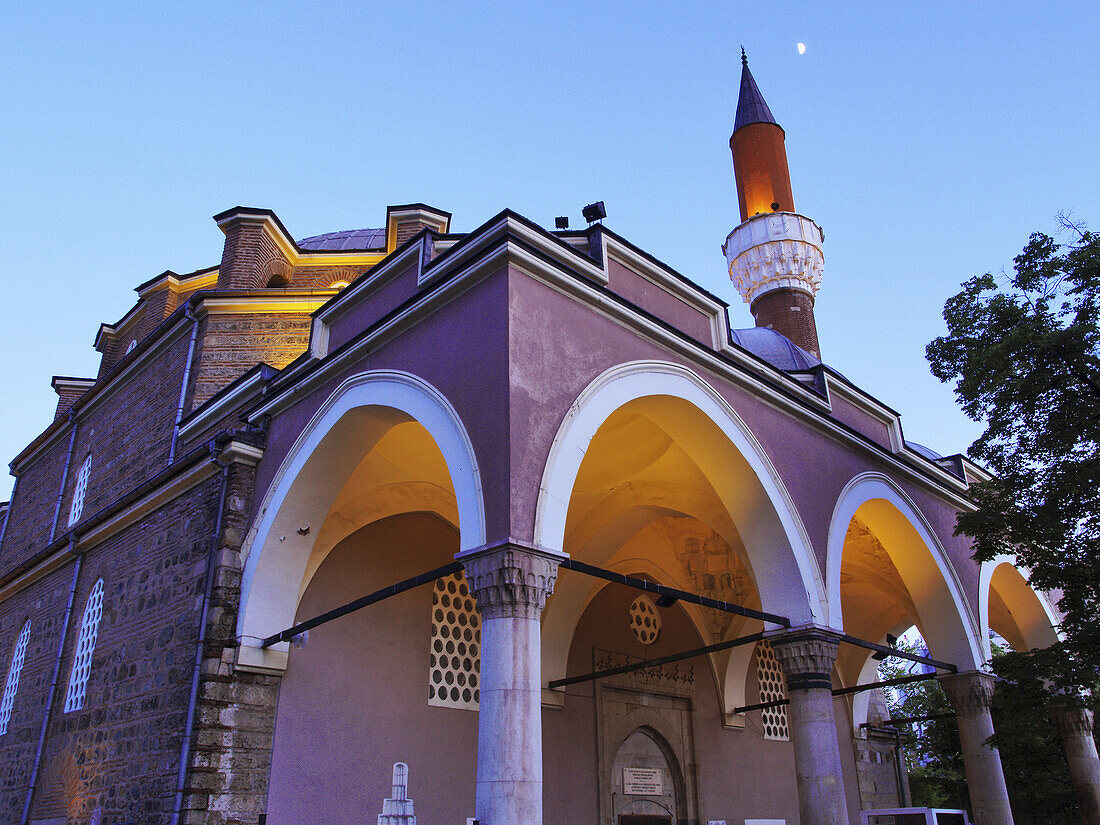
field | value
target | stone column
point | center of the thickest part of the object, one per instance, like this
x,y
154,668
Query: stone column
x,y
806,655
971,695
511,584
1075,727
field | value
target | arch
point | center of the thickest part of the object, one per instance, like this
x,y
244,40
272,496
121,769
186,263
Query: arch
x,y
747,485
278,558
947,622
1033,619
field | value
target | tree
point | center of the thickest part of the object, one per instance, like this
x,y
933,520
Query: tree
x,y
1024,353
1034,763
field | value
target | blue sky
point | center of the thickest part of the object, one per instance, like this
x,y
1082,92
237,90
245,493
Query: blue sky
x,y
929,140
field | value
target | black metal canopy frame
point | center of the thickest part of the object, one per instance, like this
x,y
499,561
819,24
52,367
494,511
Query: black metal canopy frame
x,y
668,597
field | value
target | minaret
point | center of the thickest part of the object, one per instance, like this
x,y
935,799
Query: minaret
x,y
774,256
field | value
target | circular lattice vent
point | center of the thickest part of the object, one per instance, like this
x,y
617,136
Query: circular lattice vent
x,y
455,674
773,688
645,621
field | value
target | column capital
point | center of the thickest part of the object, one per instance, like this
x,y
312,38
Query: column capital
x,y
806,655
1071,719
510,580
970,692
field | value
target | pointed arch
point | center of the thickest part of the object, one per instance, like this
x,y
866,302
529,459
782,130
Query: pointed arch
x,y
948,623
1031,616
278,558
746,483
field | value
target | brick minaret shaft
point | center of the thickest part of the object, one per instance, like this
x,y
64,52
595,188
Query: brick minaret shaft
x,y
777,300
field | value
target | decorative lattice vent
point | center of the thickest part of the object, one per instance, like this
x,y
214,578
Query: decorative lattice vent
x,y
85,646
12,683
645,621
455,674
773,688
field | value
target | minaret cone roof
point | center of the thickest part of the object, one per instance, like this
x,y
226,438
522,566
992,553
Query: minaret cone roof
x,y
751,107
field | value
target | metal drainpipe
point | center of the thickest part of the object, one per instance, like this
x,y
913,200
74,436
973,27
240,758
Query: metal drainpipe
x,y
64,478
183,385
53,688
196,672
7,515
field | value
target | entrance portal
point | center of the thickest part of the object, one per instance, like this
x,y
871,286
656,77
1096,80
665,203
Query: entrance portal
x,y
646,785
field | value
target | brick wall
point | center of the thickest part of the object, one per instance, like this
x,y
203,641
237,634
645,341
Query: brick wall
x,y
790,312
235,723
32,507
121,750
230,345
248,256
44,605
129,434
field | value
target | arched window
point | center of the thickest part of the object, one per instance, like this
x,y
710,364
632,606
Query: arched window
x,y
82,662
773,688
12,684
79,490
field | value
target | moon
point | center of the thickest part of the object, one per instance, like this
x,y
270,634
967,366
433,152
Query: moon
x,y
801,48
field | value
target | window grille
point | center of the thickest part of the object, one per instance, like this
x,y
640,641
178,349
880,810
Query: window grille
x,y
79,490
82,662
454,679
12,684
773,688
645,621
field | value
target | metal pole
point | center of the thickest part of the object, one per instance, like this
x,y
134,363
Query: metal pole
x,y
671,594
350,607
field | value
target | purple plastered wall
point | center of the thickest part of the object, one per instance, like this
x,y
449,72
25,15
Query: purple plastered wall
x,y
658,301
354,700
462,352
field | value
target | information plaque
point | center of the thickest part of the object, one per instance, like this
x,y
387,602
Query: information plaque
x,y
642,781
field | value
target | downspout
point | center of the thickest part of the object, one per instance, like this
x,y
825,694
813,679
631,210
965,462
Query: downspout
x,y
200,647
64,478
7,515
53,687
183,385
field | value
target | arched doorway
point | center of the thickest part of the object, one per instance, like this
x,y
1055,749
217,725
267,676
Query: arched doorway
x,y
647,786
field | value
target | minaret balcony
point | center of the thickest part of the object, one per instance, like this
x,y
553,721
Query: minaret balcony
x,y
775,250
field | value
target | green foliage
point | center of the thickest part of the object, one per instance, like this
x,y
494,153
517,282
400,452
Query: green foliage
x,y
1034,762
933,754
1025,358
1032,757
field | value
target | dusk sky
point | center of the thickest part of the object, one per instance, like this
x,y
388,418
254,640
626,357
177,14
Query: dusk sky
x,y
928,140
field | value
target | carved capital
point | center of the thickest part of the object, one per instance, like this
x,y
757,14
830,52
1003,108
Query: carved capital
x,y
969,693
511,581
806,656
1071,721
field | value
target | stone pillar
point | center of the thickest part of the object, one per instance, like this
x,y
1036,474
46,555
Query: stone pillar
x,y
1075,727
511,584
971,695
806,655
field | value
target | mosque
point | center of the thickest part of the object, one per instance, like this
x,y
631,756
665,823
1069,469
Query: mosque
x,y
514,508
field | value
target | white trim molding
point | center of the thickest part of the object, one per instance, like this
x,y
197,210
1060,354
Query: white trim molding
x,y
276,557
947,621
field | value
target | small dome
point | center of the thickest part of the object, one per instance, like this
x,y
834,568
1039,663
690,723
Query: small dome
x,y
775,348
348,240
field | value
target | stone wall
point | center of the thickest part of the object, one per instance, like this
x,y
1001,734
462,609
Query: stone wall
x,y
120,751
